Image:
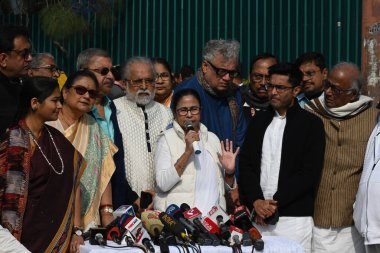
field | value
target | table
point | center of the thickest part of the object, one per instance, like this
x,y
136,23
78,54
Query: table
x,y
272,244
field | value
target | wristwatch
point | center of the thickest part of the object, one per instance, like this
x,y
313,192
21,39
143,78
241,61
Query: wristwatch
x,y
78,231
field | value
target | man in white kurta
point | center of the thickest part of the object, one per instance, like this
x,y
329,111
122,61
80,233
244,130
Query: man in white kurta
x,y
141,120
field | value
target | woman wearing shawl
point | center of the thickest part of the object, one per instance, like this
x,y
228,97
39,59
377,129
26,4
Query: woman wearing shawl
x,y
39,173
79,94
200,178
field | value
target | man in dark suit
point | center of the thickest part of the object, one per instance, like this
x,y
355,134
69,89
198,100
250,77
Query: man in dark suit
x,y
15,55
281,160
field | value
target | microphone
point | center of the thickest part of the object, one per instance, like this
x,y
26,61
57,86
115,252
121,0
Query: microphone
x,y
97,236
154,226
189,126
148,245
125,209
194,215
100,239
236,236
174,211
258,243
220,217
133,226
114,234
173,226
144,239
242,220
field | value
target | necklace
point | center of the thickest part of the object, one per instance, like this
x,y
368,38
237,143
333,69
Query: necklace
x,y
43,154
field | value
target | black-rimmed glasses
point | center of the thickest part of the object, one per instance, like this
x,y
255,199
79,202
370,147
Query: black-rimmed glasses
x,y
279,88
194,110
25,53
140,82
222,72
52,68
335,89
164,76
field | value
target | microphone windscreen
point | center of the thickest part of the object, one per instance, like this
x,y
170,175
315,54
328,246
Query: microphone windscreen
x,y
184,207
151,222
174,211
189,125
171,224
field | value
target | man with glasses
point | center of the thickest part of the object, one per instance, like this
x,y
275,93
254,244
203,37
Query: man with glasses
x,y
15,55
222,107
141,120
100,63
348,119
313,67
281,160
43,64
255,95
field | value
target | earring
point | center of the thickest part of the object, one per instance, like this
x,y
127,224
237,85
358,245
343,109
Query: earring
x,y
34,109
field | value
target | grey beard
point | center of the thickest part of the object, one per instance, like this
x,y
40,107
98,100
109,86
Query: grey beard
x,y
141,100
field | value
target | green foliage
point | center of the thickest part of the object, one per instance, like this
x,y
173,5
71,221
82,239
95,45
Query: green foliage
x,y
60,22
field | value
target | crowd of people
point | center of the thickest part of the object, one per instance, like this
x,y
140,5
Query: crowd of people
x,y
297,145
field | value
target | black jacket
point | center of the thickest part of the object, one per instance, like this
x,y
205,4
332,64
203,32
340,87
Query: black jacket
x,y
302,158
9,100
122,193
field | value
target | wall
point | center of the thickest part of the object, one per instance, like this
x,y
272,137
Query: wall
x,y
178,29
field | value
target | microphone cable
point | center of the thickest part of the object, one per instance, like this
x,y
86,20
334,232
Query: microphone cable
x,y
127,246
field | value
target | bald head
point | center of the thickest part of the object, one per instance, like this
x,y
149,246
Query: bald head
x,y
350,72
343,85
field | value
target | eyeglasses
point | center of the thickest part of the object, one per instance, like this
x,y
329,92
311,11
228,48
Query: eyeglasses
x,y
260,77
103,71
164,76
52,68
310,73
80,90
140,82
222,72
194,110
25,53
334,89
279,88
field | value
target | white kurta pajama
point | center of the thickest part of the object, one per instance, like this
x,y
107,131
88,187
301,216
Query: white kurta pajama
x,y
140,128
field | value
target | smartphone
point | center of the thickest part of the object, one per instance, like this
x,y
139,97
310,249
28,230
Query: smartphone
x,y
145,199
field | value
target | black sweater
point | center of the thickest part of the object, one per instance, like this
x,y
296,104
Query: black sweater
x,y
302,158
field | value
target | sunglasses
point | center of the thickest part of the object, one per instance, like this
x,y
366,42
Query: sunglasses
x,y
222,72
80,90
23,53
104,71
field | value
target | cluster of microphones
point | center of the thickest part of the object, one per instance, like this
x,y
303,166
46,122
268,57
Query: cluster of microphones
x,y
179,226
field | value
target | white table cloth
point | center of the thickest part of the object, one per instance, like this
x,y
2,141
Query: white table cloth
x,y
272,244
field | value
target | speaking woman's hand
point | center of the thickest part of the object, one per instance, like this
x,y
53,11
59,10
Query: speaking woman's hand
x,y
228,156
190,137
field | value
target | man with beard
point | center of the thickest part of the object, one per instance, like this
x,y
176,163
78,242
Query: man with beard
x,y
278,175
15,55
141,120
313,67
348,120
104,112
255,95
